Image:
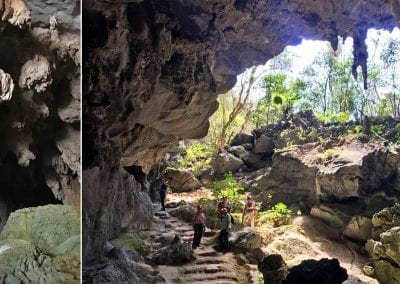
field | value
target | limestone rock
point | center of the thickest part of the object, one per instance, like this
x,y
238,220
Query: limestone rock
x,y
182,180
36,74
175,253
242,138
15,12
7,86
226,162
21,262
385,255
250,159
248,239
273,268
329,216
359,229
323,271
54,229
264,145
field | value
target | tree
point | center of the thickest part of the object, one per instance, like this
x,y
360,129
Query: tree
x,y
229,119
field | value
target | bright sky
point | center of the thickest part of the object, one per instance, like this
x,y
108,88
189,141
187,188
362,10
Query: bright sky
x,y
305,53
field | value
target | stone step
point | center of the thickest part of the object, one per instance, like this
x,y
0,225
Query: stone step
x,y
208,260
211,278
206,252
207,269
162,214
214,282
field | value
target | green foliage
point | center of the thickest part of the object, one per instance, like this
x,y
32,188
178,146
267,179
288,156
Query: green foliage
x,y
313,134
377,129
328,154
330,116
278,215
357,129
133,242
229,187
198,157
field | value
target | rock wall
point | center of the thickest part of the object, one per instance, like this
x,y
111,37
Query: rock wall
x,y
153,69
40,103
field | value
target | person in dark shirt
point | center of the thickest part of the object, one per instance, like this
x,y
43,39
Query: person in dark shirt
x,y
163,194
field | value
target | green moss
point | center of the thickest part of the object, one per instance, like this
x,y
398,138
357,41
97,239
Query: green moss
x,y
131,241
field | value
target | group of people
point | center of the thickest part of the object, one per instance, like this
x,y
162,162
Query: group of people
x,y
226,221
224,214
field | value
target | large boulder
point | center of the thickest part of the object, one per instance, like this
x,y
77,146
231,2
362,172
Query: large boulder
x,y
226,162
324,271
359,229
175,253
242,138
182,180
273,268
22,262
385,256
264,145
340,168
248,239
53,229
250,159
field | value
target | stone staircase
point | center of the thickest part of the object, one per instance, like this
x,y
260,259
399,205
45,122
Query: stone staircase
x,y
209,266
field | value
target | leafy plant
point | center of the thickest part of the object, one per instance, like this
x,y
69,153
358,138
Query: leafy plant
x,y
278,215
198,157
377,129
328,154
229,187
133,242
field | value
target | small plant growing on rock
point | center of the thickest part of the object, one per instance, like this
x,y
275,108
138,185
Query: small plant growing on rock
x,y
378,129
328,154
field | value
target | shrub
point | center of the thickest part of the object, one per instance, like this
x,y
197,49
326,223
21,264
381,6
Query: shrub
x,y
231,188
198,157
378,129
328,154
278,215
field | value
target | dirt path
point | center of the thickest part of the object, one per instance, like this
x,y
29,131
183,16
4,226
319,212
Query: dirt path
x,y
209,266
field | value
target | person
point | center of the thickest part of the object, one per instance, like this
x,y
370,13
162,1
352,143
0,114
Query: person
x,y
223,237
249,212
198,226
163,194
223,204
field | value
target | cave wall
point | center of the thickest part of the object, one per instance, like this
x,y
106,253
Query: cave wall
x,y
39,103
153,70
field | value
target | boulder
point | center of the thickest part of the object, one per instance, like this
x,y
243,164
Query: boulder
x,y
248,239
53,229
36,74
226,162
6,86
242,138
358,229
182,180
22,262
385,256
183,212
323,271
250,159
264,145
337,169
273,268
176,253
329,216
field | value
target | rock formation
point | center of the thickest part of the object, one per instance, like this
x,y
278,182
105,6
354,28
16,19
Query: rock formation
x,y
39,102
40,145
153,70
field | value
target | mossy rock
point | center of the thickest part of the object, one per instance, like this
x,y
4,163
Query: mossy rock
x,y
132,241
54,229
22,262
